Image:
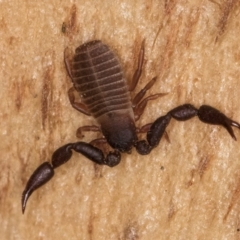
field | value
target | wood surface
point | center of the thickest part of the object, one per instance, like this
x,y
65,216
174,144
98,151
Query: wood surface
x,y
187,188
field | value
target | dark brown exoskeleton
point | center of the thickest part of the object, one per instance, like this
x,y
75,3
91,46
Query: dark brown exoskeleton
x,y
97,76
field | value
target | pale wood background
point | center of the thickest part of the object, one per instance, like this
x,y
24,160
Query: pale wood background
x,y
186,189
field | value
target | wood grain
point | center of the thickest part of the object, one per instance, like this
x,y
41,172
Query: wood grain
x,y
187,188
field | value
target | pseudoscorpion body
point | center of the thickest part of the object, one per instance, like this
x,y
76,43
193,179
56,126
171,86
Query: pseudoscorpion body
x,y
98,77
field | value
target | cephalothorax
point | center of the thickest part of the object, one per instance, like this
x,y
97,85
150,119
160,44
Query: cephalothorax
x,y
98,77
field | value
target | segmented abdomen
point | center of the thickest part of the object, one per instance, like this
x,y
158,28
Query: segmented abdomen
x,y
98,77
